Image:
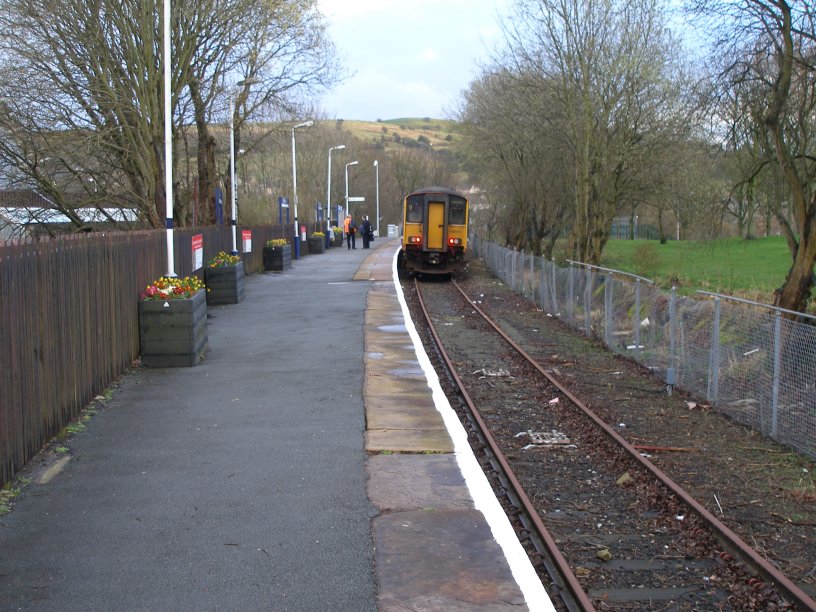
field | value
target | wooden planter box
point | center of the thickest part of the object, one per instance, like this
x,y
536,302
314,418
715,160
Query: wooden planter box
x,y
338,239
277,259
225,285
173,333
317,244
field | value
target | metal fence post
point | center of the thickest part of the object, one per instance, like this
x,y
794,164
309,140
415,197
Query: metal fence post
x,y
777,355
532,275
672,329
637,316
542,289
714,358
588,303
608,289
553,288
570,292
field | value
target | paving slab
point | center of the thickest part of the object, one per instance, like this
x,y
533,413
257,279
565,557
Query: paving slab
x,y
417,482
441,560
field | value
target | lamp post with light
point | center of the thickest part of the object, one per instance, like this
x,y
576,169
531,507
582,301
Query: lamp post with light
x,y
377,183
168,144
354,163
328,192
233,211
294,184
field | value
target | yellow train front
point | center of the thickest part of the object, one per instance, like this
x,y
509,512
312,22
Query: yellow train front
x,y
434,239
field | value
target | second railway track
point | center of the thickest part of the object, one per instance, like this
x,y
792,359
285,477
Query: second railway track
x,y
631,537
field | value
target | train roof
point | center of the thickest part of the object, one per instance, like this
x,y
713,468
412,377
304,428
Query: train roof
x,y
445,190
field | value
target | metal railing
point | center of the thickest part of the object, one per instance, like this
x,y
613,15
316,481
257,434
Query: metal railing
x,y
743,357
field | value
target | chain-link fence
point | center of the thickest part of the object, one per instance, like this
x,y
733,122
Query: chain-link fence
x,y
745,358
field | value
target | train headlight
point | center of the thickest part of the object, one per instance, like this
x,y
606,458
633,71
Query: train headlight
x,y
454,241
414,239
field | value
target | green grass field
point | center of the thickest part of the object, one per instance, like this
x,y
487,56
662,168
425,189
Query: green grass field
x,y
751,269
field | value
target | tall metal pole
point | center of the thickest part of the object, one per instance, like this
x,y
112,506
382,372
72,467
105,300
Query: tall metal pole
x,y
347,167
328,191
234,211
294,184
233,190
168,144
377,182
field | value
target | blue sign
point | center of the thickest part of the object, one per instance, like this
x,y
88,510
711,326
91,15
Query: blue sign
x,y
283,203
219,206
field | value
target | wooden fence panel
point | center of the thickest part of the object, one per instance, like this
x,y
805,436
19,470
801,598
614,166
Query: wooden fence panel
x,y
69,321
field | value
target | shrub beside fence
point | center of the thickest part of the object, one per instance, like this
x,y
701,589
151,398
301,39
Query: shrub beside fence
x,y
69,321
749,361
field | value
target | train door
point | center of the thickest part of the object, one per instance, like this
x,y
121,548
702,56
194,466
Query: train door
x,y
436,225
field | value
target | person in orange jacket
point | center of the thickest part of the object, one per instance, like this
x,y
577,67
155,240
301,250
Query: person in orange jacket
x,y
346,224
351,231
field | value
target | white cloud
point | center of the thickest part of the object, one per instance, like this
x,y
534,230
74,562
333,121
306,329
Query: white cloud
x,y
407,60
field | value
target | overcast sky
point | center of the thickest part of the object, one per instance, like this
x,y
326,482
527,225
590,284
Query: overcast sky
x,y
408,58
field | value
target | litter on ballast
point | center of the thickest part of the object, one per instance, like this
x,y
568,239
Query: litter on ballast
x,y
543,439
500,373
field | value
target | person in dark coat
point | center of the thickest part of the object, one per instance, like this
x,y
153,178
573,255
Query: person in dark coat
x,y
365,229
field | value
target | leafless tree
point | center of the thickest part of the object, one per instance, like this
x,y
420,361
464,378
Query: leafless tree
x,y
766,54
608,63
511,124
83,89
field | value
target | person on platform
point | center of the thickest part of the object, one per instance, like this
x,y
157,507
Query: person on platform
x,y
346,222
365,230
351,231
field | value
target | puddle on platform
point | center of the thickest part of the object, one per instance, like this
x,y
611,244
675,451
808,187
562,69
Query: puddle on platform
x,y
407,372
392,328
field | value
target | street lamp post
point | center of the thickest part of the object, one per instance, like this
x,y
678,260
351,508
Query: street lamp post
x,y
233,210
233,201
294,184
328,192
355,162
377,183
168,144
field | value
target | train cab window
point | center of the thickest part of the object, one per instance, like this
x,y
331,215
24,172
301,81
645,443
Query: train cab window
x,y
457,210
415,206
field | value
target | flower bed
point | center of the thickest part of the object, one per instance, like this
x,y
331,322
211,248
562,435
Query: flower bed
x,y
317,242
225,279
277,255
173,323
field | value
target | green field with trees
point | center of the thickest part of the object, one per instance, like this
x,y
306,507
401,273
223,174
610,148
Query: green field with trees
x,y
751,269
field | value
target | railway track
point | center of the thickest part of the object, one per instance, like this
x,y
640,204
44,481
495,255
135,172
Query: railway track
x,y
605,528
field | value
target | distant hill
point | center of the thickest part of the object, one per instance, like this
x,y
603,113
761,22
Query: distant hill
x,y
437,133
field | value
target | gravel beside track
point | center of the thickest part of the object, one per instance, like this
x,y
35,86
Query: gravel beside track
x,y
762,491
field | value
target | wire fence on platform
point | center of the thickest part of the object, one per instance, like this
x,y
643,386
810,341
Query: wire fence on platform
x,y
747,359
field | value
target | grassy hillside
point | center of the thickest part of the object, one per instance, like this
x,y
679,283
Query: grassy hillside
x,y
745,268
439,133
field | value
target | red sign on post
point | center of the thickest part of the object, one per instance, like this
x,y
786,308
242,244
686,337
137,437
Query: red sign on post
x,y
246,239
198,251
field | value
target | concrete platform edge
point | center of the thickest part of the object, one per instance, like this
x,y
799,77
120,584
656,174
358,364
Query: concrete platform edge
x,y
477,485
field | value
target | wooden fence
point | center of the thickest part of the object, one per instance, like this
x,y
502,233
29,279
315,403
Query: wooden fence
x,y
69,321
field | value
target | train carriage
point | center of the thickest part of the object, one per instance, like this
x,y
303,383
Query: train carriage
x,y
434,240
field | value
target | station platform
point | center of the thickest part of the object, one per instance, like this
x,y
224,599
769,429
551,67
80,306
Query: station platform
x,y
311,462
